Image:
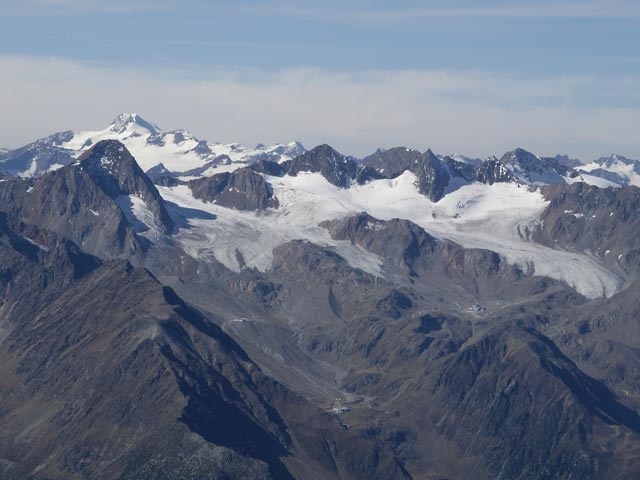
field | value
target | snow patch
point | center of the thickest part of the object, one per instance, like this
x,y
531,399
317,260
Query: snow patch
x,y
137,213
54,166
591,180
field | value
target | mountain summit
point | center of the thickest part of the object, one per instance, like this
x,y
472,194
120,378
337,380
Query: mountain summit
x,y
126,121
178,151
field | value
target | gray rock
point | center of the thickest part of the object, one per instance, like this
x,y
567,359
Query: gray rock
x,y
242,189
80,201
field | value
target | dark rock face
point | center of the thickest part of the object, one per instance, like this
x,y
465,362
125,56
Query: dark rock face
x,y
168,181
434,175
400,240
336,168
391,163
268,167
465,171
117,173
529,168
158,171
80,201
408,249
603,221
493,171
242,189
513,425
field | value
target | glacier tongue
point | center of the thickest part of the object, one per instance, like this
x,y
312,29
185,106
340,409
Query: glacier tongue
x,y
218,232
497,217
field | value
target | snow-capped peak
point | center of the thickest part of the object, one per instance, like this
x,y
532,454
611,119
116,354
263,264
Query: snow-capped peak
x,y
294,149
530,168
613,159
616,168
129,121
519,155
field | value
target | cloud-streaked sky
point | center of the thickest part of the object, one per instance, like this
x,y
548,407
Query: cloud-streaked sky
x,y
472,77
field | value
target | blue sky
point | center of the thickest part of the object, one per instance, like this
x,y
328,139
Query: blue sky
x,y
473,77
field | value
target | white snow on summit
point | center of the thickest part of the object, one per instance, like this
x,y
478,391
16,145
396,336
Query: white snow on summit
x,y
622,168
177,150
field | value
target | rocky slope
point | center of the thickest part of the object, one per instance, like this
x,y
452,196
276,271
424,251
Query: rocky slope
x,y
407,316
106,373
99,202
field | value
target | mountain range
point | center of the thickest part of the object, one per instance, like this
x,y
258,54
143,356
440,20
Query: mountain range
x,y
176,308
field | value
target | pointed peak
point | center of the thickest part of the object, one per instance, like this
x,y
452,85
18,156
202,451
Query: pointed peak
x,y
327,151
294,148
108,155
430,155
520,151
107,147
126,121
517,155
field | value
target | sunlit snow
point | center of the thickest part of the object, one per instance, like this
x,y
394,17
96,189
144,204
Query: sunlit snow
x,y
498,217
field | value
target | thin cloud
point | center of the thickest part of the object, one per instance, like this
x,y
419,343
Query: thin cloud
x,y
396,13
472,112
62,7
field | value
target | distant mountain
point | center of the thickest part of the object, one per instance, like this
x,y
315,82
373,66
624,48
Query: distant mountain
x,y
567,161
531,169
440,175
39,157
178,151
99,202
615,168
